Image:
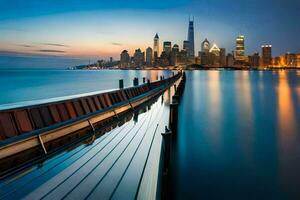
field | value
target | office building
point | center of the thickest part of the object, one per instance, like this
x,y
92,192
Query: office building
x,y
149,56
138,58
191,44
124,59
266,56
240,49
167,47
156,47
254,60
222,57
229,60
205,46
186,45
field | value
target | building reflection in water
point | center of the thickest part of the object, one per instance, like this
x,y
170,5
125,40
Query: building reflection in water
x,y
245,111
215,111
287,134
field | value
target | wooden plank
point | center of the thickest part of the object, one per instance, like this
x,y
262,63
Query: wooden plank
x,y
102,101
78,108
46,115
63,112
107,100
8,127
91,104
37,118
97,103
85,106
54,113
23,121
71,109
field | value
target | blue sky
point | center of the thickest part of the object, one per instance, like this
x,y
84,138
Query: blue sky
x,y
99,29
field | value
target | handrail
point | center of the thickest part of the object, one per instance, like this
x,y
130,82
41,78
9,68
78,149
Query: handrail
x,y
28,125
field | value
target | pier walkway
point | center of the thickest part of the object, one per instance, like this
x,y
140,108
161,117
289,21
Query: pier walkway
x,y
124,163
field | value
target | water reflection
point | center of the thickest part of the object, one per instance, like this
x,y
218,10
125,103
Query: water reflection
x,y
238,135
214,98
245,121
287,137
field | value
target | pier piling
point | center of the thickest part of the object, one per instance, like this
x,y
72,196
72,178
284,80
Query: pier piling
x,y
121,84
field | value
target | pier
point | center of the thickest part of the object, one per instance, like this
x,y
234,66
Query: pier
x,y
109,145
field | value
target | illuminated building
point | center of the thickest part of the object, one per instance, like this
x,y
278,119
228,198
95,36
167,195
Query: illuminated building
x,y
205,46
254,60
149,56
124,59
266,56
240,49
291,60
191,45
156,46
167,47
276,61
215,50
298,60
214,56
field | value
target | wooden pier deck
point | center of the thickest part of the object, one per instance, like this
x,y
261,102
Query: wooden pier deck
x,y
124,163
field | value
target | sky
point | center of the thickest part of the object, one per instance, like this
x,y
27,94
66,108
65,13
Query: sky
x,y
95,29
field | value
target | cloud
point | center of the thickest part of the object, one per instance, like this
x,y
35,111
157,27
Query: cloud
x,y
25,45
116,44
54,44
51,51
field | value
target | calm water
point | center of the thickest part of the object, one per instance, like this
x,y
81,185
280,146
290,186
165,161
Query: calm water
x,y
239,131
239,136
25,85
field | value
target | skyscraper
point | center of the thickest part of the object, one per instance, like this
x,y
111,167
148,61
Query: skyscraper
x,y
205,46
186,45
124,59
174,53
191,49
156,46
149,56
266,56
254,60
167,47
138,58
222,57
240,48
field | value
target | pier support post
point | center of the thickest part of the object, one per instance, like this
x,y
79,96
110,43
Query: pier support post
x,y
173,117
176,98
166,144
135,82
121,84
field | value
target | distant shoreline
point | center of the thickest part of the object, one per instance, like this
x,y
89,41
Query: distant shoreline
x,y
201,69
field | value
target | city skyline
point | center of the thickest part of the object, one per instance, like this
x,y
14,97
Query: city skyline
x,y
96,31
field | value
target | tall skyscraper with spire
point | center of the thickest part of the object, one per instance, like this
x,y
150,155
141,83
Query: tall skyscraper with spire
x,y
156,47
191,49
